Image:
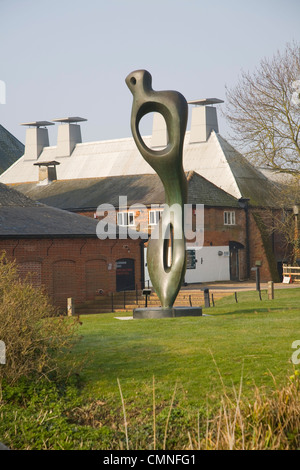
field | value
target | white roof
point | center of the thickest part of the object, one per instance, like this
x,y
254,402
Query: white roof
x,y
214,159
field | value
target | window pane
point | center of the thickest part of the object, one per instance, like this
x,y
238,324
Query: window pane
x,y
229,218
130,218
151,217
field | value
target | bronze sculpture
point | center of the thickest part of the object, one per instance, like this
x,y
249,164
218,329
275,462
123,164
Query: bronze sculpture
x,y
166,277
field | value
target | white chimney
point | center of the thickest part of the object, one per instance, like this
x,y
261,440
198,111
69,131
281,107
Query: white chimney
x,y
36,138
68,135
204,119
159,131
47,171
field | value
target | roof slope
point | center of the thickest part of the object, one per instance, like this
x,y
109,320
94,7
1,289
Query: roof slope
x,y
11,149
21,217
216,160
202,191
85,194
251,182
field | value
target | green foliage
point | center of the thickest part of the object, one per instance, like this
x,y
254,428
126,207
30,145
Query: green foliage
x,y
33,332
34,415
195,401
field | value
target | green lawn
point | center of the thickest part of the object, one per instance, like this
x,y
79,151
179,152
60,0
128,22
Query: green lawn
x,y
149,358
252,335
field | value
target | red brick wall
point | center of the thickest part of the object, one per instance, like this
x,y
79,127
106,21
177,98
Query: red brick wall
x,y
72,267
218,234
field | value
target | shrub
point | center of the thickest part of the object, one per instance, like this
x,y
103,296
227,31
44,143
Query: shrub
x,y
31,328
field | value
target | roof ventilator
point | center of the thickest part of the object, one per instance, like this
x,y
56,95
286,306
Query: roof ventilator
x,y
68,135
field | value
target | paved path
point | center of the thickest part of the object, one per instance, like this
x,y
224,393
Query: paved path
x,y
237,286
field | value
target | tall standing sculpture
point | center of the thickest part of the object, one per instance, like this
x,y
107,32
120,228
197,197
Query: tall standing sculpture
x,y
166,275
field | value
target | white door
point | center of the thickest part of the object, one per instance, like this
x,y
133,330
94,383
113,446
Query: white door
x,y
211,264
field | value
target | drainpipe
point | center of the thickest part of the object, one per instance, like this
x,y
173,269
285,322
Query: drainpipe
x,y
244,204
142,263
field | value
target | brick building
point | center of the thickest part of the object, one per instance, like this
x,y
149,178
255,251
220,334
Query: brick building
x,y
61,251
79,177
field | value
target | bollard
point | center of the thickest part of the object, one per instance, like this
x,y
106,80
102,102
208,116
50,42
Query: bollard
x,y
270,290
112,302
146,293
206,298
70,307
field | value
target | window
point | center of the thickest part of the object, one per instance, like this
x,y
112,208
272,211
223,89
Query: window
x,y
229,218
125,218
154,217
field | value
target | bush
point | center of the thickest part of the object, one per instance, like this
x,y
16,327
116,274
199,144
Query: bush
x,y
31,328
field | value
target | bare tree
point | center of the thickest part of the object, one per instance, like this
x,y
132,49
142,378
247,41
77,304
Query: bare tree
x,y
282,218
263,111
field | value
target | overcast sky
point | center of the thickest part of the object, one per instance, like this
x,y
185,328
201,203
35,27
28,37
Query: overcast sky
x,y
64,58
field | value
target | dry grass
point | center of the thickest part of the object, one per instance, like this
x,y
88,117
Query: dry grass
x,y
267,422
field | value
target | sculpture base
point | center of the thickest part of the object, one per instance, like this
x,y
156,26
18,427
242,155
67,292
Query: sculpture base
x,y
159,312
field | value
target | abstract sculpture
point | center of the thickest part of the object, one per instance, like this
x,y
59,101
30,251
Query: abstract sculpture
x,y
166,276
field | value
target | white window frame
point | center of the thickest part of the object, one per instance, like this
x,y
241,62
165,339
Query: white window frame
x,y
125,219
229,218
156,216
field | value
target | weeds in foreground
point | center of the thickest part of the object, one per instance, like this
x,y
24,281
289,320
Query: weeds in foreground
x,y
267,422
45,415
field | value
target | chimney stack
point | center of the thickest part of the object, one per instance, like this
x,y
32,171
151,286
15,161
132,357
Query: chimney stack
x,y
36,138
47,171
68,135
159,131
204,119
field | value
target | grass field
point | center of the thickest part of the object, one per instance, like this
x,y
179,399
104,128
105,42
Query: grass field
x,y
171,383
252,335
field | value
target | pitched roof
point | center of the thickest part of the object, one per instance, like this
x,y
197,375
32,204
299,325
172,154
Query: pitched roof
x,y
22,218
11,149
251,182
216,160
202,191
88,194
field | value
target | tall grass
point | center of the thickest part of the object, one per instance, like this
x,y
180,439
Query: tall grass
x,y
265,422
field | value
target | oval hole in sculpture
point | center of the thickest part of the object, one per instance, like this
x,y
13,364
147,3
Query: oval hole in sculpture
x,y
168,248
154,125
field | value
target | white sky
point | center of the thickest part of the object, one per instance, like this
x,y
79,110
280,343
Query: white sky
x,y
64,58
